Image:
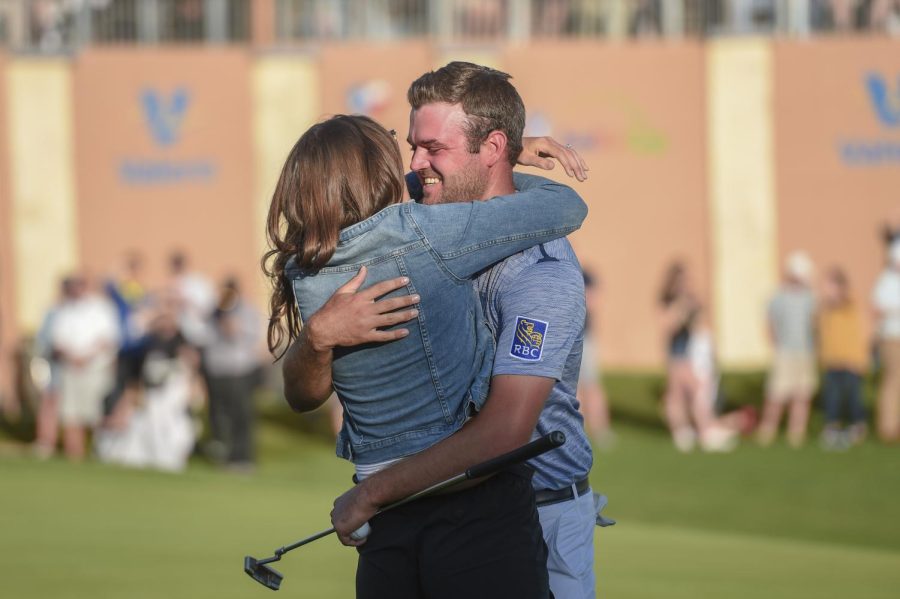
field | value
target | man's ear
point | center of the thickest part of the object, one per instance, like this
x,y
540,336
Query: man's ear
x,y
493,148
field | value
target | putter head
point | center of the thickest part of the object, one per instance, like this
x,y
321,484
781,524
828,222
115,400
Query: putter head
x,y
263,574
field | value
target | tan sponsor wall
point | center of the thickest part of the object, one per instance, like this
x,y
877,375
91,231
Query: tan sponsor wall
x,y
489,57
181,148
636,113
837,118
164,153
372,79
42,182
286,101
637,118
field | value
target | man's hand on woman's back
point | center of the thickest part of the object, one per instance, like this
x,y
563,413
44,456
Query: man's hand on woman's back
x,y
351,317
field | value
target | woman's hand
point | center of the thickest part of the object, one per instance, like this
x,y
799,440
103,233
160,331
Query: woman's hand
x,y
542,151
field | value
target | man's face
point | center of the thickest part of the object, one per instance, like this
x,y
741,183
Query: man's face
x,y
447,170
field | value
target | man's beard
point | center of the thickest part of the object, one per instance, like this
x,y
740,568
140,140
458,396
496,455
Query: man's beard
x,y
467,185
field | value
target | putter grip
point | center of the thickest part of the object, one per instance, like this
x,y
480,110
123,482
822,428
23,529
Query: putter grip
x,y
549,441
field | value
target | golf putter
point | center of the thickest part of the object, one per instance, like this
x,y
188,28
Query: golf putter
x,y
260,570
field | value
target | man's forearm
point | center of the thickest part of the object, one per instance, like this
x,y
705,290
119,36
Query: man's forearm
x,y
506,422
307,374
475,443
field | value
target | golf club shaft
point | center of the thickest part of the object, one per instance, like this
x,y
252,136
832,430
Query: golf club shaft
x,y
300,543
489,467
541,445
425,492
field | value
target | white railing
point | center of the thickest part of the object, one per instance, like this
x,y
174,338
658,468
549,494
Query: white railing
x,y
497,20
59,26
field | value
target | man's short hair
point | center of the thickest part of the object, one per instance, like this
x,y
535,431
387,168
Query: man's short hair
x,y
490,102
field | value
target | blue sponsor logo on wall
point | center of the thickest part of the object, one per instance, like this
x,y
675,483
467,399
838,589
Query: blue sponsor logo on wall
x,y
884,101
370,98
164,115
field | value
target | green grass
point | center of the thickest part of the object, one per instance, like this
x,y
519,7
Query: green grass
x,y
757,523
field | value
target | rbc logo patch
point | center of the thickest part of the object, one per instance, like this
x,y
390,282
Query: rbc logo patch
x,y
528,342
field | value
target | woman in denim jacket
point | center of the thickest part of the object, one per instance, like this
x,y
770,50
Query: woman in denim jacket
x,y
338,206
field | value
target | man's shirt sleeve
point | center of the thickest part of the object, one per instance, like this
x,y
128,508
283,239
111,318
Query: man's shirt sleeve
x,y
541,315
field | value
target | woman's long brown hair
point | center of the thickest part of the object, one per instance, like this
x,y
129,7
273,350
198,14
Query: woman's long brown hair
x,y
340,172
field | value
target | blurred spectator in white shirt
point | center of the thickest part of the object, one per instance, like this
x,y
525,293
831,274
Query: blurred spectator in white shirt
x,y
886,302
152,426
45,372
195,297
85,336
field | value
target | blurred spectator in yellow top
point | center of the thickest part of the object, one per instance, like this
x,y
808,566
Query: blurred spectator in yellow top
x,y
842,353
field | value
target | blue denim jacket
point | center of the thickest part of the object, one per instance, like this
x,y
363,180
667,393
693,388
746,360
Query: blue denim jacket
x,y
403,397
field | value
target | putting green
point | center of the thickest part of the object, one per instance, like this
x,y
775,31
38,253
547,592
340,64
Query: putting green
x,y
94,531
641,560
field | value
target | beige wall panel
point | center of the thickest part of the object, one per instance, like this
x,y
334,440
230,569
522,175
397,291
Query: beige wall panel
x,y
742,195
372,79
164,150
8,323
488,57
40,137
286,102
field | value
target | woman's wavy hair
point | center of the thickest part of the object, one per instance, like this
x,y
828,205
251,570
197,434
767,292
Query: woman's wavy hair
x,y
340,172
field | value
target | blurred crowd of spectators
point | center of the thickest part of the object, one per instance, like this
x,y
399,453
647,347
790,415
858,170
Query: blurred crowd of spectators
x,y
812,332
855,15
64,25
53,26
304,19
146,377
138,367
